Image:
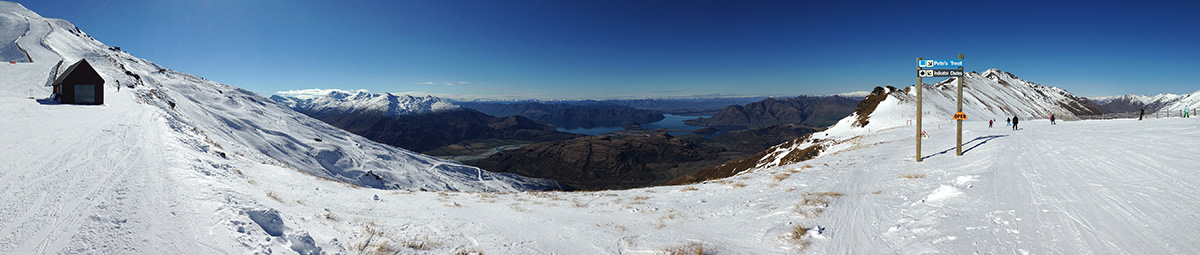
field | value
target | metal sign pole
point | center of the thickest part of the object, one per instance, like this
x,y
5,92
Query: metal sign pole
x,y
919,113
958,149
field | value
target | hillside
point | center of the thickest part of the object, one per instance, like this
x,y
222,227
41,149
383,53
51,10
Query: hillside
x,y
802,110
633,159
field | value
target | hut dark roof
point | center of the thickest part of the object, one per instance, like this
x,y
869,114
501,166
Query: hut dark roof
x,y
63,74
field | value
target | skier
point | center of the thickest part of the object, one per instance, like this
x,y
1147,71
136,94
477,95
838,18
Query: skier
x,y
1142,114
990,123
1052,120
1014,119
1007,122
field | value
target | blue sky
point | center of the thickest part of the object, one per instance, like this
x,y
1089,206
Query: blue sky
x,y
612,49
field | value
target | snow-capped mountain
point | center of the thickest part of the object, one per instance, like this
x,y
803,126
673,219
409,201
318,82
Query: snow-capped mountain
x,y
1189,102
1134,103
363,102
993,94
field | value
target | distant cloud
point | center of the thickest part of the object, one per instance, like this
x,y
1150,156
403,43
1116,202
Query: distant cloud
x,y
463,83
425,83
311,93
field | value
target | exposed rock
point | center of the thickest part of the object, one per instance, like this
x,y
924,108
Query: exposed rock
x,y
867,105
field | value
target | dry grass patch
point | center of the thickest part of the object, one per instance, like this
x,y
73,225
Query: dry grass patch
x,y
692,248
814,203
467,251
374,243
421,243
517,207
274,196
782,176
797,232
689,188
329,216
613,225
797,235
913,176
378,242
739,185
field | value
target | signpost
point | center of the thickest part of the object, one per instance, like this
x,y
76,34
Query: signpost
x,y
939,68
958,145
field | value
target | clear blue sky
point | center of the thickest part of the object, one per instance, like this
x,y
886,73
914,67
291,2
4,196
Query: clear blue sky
x,y
603,49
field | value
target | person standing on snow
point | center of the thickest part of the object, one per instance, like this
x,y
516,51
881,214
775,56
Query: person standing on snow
x,y
1052,119
990,123
1007,122
1014,120
1142,114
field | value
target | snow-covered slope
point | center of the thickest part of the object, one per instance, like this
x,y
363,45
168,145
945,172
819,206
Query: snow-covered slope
x,y
1189,102
996,94
387,103
235,123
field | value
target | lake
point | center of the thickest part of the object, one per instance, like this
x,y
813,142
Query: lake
x,y
670,121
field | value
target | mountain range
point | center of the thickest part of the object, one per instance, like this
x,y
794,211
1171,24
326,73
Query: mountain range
x,y
421,123
1164,103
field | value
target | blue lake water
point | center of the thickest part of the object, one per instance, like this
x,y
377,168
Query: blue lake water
x,y
670,121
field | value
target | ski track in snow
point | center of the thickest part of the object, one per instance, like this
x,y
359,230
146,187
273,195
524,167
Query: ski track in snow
x,y
1075,187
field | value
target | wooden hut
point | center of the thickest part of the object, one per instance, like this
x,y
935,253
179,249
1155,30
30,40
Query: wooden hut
x,y
80,84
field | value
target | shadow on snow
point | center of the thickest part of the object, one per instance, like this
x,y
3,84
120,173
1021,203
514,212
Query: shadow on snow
x,y
982,140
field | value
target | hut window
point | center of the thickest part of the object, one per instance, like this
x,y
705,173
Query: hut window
x,y
85,94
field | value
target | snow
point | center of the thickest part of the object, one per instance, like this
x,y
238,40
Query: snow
x,y
1189,102
133,176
